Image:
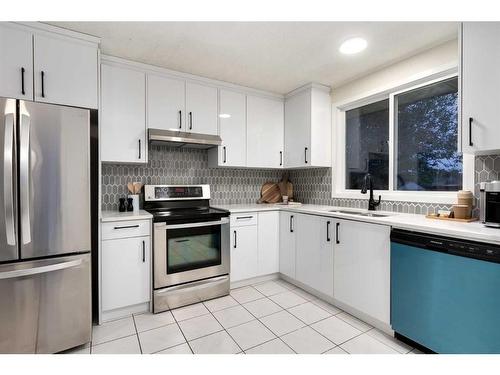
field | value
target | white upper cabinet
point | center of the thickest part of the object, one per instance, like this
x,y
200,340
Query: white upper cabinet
x,y
265,122
16,64
480,93
123,115
362,267
65,71
232,128
166,103
201,109
308,127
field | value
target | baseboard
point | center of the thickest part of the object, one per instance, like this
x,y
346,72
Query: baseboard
x,y
254,280
124,312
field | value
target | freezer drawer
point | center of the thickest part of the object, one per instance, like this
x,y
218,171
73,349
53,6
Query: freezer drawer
x,y
45,305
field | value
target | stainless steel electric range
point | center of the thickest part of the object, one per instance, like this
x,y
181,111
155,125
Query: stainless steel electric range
x,y
190,245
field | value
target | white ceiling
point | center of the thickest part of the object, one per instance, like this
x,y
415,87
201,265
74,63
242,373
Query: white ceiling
x,y
274,56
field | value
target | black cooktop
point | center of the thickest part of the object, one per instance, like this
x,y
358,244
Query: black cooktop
x,y
187,214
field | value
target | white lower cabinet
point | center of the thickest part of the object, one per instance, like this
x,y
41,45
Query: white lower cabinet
x,y
268,242
314,252
287,244
362,268
125,271
254,244
244,252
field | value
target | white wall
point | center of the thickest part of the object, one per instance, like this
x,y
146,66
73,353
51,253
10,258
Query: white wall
x,y
409,69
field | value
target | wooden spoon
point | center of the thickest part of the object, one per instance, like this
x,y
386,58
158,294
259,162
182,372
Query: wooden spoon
x,y
137,187
130,187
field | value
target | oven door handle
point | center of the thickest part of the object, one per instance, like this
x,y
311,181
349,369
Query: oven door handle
x,y
193,225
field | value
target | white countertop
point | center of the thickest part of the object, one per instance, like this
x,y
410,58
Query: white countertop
x,y
474,231
107,216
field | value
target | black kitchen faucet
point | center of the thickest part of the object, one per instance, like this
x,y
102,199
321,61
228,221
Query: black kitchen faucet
x,y
368,184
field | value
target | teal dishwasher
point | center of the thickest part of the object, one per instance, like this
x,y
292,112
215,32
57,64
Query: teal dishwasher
x,y
445,292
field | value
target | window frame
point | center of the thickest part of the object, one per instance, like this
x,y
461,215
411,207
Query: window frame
x,y
339,142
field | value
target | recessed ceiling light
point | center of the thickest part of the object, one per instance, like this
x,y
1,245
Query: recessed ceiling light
x,y
352,46
224,115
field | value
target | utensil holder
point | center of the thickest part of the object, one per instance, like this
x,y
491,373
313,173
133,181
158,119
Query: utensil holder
x,y
135,201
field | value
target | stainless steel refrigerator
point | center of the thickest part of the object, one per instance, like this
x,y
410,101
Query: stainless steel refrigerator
x,y
45,227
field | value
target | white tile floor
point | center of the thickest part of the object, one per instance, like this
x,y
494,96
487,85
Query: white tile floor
x,y
273,317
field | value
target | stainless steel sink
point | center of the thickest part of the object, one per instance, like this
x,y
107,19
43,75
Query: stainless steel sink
x,y
369,214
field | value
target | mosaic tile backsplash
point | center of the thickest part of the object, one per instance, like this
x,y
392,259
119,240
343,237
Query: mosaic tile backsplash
x,y
169,165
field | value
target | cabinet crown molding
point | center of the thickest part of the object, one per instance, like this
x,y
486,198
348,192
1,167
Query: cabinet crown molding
x,y
308,86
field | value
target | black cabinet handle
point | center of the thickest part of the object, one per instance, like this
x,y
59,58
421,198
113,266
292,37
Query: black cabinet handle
x,y
143,252
281,158
470,131
291,223
180,119
337,239
190,120
244,217
22,81
328,231
235,238
139,148
43,84
305,155
127,226
224,149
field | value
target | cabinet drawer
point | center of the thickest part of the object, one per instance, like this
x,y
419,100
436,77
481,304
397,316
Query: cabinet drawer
x,y
124,229
245,219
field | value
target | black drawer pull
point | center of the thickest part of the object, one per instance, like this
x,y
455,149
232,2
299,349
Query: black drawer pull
x,y
470,132
291,223
244,217
128,227
328,231
22,81
43,84
337,239
235,238
143,252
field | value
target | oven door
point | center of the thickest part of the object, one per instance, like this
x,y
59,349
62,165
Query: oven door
x,y
190,252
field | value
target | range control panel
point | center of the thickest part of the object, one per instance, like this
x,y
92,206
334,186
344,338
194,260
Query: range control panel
x,y
176,192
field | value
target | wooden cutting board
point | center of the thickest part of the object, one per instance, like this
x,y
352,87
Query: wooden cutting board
x,y
286,187
270,193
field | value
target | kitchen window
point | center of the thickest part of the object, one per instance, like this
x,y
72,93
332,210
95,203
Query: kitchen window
x,y
407,139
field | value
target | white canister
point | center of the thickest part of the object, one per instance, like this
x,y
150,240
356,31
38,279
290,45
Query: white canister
x,y
135,201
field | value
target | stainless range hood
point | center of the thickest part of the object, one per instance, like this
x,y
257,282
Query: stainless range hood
x,y
183,139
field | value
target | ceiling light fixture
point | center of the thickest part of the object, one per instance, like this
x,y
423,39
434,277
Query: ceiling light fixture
x,y
224,115
352,46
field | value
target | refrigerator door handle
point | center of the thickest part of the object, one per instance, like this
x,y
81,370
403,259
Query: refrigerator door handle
x,y
8,172
37,270
24,177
